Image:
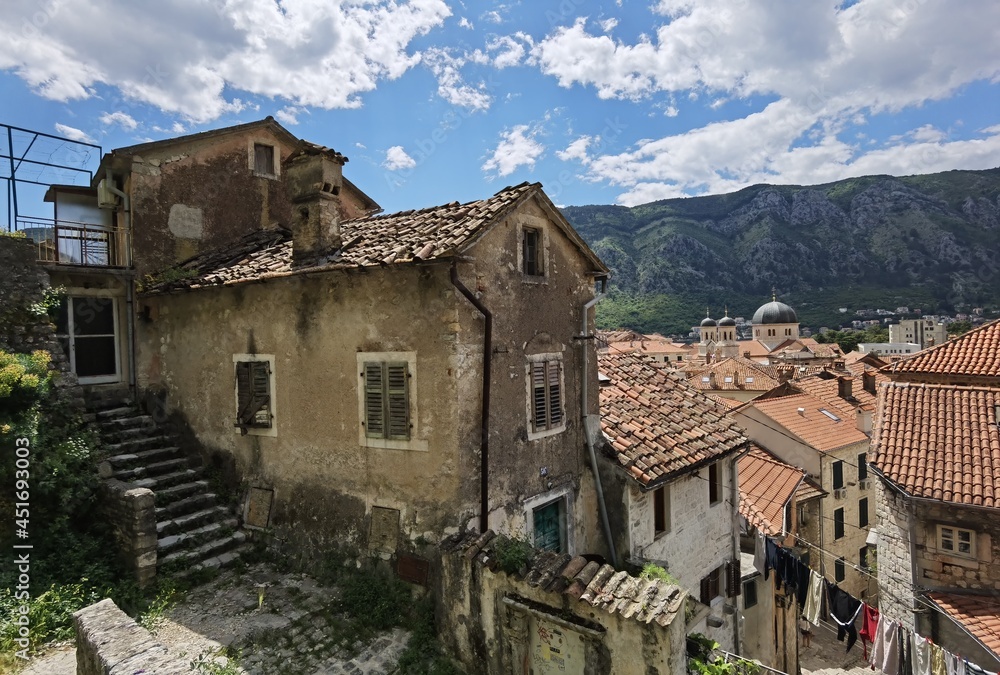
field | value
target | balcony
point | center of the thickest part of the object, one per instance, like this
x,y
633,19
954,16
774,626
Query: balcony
x,y
71,243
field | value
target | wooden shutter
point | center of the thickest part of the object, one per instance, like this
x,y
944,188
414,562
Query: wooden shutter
x,y
530,252
374,400
253,394
733,582
706,590
263,159
397,401
539,419
555,394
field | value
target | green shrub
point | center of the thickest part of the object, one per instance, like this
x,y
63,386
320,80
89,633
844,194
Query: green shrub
x,y
511,553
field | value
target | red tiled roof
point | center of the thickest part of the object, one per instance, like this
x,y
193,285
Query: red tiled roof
x,y
975,354
939,441
766,485
828,390
658,425
737,370
406,237
979,614
815,428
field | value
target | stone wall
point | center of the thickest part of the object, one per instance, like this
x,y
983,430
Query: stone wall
x,y
895,571
108,642
131,513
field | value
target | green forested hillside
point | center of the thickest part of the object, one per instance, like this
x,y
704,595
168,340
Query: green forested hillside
x,y
929,241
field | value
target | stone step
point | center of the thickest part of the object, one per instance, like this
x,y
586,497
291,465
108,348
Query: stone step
x,y
152,470
173,542
196,502
137,445
180,491
214,548
156,483
122,435
131,459
117,412
191,520
139,419
227,559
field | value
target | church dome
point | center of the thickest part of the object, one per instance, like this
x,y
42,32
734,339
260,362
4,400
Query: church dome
x,y
708,321
774,312
727,321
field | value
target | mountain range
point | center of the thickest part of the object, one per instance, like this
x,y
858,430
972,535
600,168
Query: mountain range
x,y
928,241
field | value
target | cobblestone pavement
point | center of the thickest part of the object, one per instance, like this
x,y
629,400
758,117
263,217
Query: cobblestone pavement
x,y
826,656
279,623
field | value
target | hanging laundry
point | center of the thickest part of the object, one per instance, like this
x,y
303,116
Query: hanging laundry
x,y
771,559
802,576
953,664
885,647
814,598
921,655
759,554
844,609
937,660
869,624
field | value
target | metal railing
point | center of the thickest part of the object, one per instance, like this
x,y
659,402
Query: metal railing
x,y
72,243
745,666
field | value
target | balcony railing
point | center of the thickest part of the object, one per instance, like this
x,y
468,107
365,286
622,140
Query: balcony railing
x,y
72,243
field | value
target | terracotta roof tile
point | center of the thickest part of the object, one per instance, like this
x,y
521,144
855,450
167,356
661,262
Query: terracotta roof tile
x,y
735,374
657,424
766,485
979,614
600,586
405,237
939,441
975,354
824,431
828,389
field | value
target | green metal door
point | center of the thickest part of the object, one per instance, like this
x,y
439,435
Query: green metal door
x,y
548,533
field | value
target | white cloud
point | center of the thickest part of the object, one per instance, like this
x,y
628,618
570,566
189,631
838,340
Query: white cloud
x,y
517,147
72,133
290,114
396,159
493,16
577,150
119,118
671,111
178,128
465,23
608,25
184,58
510,49
451,85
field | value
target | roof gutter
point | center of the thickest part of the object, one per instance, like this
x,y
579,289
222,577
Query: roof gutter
x,y
589,420
484,448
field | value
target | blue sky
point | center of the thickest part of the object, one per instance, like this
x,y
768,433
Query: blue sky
x,y
603,102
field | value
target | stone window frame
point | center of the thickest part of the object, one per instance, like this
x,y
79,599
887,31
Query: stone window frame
x,y
271,430
275,157
415,442
541,254
532,359
547,498
954,537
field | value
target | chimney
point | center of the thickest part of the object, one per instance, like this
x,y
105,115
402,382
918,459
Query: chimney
x,y
845,387
313,177
711,380
864,421
868,382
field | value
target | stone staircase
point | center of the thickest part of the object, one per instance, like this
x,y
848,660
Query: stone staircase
x,y
194,530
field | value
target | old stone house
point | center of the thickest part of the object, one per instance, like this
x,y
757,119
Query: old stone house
x,y
830,444
379,380
670,484
935,451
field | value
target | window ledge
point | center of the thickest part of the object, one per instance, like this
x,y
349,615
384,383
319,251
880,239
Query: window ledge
x,y
536,435
413,444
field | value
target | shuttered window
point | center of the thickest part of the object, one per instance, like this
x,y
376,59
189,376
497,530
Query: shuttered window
x,y
387,400
263,159
253,394
711,586
546,395
531,249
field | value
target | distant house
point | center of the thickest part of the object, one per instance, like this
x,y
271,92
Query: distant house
x,y
936,454
925,332
735,377
670,484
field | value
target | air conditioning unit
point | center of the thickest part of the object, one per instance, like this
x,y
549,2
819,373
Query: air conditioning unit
x,y
865,483
106,199
840,493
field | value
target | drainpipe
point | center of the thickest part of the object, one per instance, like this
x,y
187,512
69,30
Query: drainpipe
x,y
484,452
584,409
130,284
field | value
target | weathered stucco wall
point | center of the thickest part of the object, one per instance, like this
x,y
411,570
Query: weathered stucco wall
x,y
494,637
326,477
859,584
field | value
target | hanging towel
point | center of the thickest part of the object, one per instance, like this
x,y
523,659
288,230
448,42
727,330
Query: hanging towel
x,y
905,657
937,660
844,609
803,574
759,556
889,661
954,665
921,655
869,624
814,598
